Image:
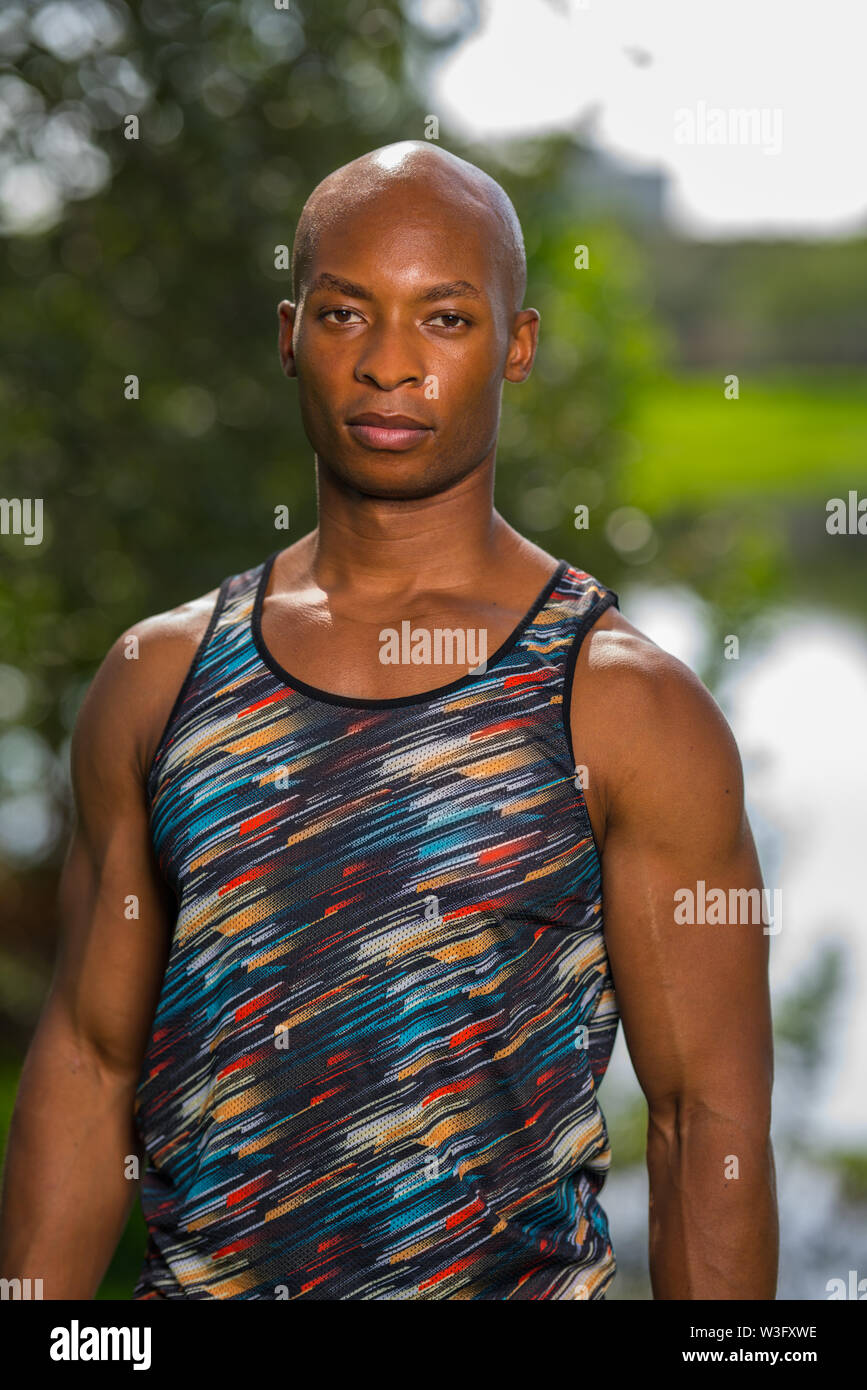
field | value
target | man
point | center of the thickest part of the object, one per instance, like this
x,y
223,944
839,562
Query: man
x,y
341,933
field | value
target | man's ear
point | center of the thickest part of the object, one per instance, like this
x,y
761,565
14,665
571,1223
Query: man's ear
x,y
522,350
286,317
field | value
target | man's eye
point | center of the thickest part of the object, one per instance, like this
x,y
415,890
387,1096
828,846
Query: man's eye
x,y
454,319
326,312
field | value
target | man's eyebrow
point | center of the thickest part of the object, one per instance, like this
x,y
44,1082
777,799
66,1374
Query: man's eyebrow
x,y
451,288
326,281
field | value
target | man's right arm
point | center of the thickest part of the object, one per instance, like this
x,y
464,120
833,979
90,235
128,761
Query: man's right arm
x,y
66,1193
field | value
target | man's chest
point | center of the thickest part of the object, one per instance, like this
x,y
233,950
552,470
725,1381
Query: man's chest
x,y
382,653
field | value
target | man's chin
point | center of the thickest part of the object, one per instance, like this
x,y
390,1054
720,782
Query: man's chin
x,y
394,478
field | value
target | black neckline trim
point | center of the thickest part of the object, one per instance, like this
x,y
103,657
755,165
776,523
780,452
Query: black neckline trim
x,y
329,698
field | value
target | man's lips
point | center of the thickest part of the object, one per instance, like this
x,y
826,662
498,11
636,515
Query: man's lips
x,y
377,431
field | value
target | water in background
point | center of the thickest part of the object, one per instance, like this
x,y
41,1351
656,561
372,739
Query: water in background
x,y
795,701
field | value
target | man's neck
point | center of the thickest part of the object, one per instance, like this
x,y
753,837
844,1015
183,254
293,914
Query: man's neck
x,y
445,541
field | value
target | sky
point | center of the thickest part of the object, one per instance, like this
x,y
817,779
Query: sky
x,y
756,111
660,87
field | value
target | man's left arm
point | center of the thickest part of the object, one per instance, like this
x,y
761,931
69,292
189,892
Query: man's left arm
x,y
693,996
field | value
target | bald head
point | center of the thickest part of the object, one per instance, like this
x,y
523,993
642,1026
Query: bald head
x,y
409,168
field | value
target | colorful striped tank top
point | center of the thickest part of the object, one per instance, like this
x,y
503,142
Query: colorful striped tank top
x,y
387,1007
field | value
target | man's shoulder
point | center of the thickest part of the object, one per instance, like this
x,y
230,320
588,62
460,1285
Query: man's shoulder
x,y
626,664
157,643
643,715
173,628
132,693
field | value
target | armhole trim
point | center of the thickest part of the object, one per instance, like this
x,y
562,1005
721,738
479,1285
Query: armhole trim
x,y
187,681
608,600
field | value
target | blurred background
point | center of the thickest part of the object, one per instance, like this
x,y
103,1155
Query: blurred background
x,y
700,387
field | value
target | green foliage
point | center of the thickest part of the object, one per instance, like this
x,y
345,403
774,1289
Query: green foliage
x,y
122,1273
627,1131
802,1022
565,433
851,1167
741,305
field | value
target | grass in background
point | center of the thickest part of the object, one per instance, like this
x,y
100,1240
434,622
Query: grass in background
x,y
797,434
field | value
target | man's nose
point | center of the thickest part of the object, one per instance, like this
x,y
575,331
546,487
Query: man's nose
x,y
389,358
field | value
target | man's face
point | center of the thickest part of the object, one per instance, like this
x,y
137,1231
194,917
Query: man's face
x,y
393,339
